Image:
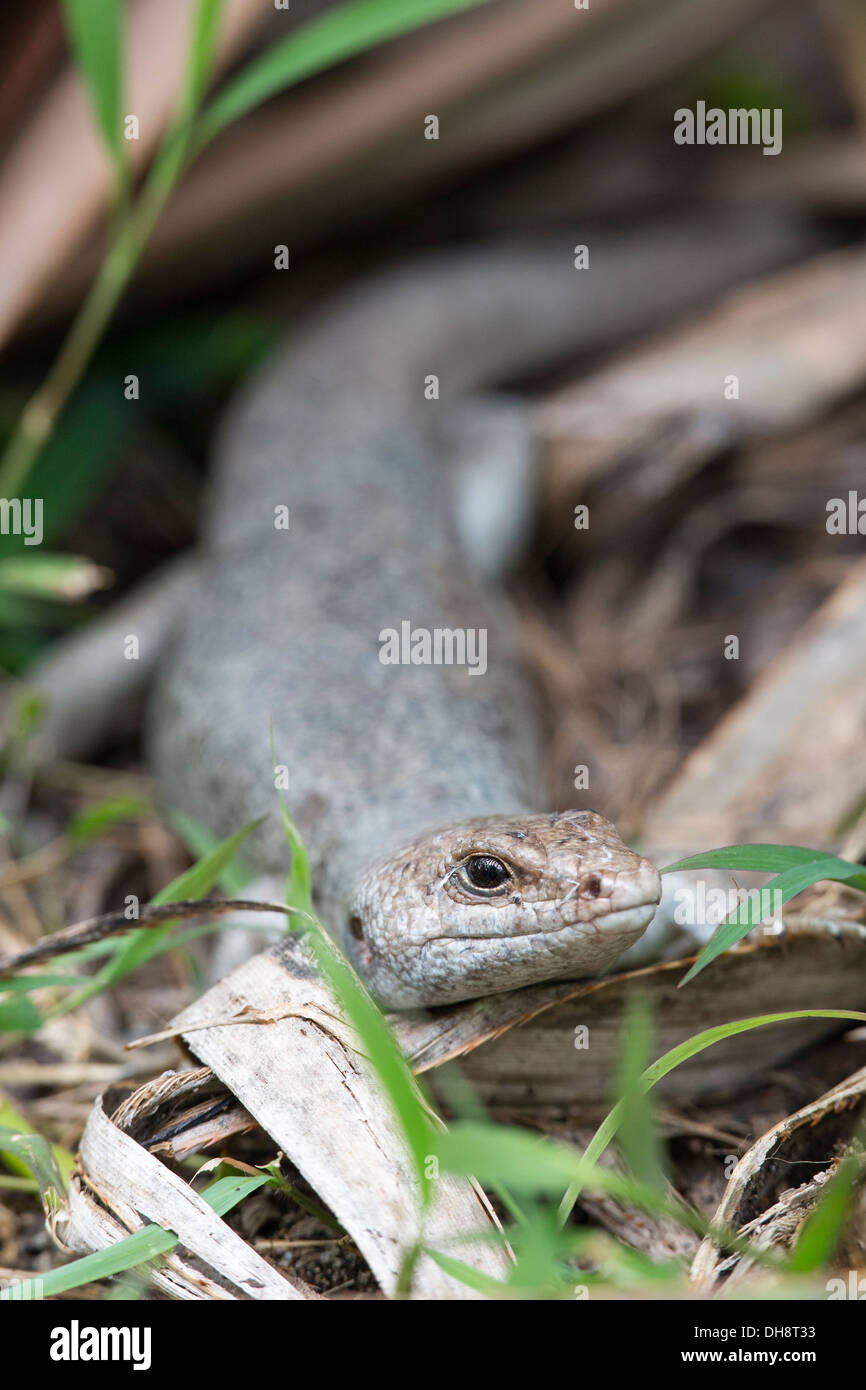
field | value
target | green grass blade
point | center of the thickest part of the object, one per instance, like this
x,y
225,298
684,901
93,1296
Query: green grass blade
x,y
205,25
88,824
138,948
20,1016
59,578
761,903
75,463
26,984
824,1227
363,1014
385,1056
201,842
467,1274
299,888
136,1249
675,1058
26,1152
350,29
95,30
538,1166
639,1139
172,155
201,877
762,859
194,882
338,34
225,1193
525,1162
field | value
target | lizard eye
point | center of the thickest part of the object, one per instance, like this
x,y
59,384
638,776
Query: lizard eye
x,y
485,873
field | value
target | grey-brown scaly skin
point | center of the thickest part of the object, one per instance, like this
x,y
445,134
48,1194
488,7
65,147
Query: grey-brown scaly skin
x,y
575,898
282,627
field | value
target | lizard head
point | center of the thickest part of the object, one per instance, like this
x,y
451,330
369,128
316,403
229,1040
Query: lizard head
x,y
492,904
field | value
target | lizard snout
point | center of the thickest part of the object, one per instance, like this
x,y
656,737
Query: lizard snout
x,y
602,891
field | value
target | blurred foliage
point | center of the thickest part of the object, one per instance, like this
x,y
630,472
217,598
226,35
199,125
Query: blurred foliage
x,y
734,80
182,365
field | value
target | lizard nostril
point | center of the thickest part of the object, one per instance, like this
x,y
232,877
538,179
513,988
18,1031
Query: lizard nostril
x,y
356,927
592,886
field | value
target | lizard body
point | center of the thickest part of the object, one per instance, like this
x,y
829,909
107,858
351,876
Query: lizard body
x,y
415,786
405,780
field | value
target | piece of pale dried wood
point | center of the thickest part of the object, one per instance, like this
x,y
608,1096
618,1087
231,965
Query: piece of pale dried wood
x,y
85,1227
321,1101
788,762
826,170
128,1179
180,1113
742,1192
533,1054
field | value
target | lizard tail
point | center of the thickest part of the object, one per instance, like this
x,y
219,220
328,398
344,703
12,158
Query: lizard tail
x,y
352,385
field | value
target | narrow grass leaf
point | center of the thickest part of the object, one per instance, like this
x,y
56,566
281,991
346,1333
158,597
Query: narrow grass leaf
x,y
537,1166
470,1276
194,882
225,1193
60,578
823,1229
136,1249
205,25
763,903
675,1057
172,154
201,877
20,1016
768,859
525,1162
361,1011
299,891
27,1153
142,945
337,35
385,1056
26,984
95,30
542,1258
200,841
639,1139
90,823
77,459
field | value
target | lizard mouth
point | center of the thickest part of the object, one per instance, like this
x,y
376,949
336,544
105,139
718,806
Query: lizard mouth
x,y
627,920
454,967
447,966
